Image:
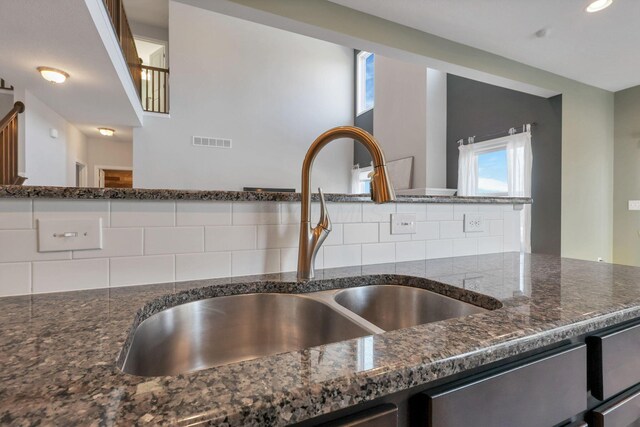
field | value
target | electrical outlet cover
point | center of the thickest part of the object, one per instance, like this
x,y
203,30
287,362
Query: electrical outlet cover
x,y
473,223
634,205
69,234
404,223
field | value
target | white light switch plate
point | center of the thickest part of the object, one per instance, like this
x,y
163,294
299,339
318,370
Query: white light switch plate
x,y
634,205
404,223
69,234
473,223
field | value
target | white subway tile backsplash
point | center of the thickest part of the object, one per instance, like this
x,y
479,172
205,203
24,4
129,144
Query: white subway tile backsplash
x,y
22,245
173,240
460,209
342,256
206,265
439,212
496,227
420,209
336,236
344,212
289,259
71,209
490,212
255,262
245,213
427,231
386,236
378,253
451,230
141,270
230,238
56,276
132,213
278,236
360,233
116,242
511,230
15,214
463,247
372,212
410,251
15,279
439,249
162,241
203,213
490,245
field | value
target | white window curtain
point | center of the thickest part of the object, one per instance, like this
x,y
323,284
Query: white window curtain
x,y
519,164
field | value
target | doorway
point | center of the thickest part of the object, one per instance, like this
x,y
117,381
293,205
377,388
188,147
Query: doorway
x,y
114,177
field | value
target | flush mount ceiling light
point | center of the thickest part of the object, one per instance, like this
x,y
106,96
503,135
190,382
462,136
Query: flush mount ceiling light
x,y
106,131
53,75
598,5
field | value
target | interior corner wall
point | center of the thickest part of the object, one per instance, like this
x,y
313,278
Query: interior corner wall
x,y
48,160
626,229
272,92
476,108
399,122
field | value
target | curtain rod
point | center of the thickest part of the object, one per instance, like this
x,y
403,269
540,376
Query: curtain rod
x,y
511,131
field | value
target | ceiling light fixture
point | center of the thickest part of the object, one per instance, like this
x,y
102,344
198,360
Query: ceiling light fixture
x,y
106,131
598,5
53,75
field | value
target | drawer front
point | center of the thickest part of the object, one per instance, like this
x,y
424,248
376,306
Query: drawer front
x,y
379,416
623,411
614,365
540,391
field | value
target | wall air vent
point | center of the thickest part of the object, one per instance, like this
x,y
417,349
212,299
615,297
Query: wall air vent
x,y
204,141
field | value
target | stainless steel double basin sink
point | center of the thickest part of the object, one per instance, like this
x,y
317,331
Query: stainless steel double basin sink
x,y
222,330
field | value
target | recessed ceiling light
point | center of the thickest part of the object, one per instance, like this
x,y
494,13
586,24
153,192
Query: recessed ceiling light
x,y
106,131
598,5
53,75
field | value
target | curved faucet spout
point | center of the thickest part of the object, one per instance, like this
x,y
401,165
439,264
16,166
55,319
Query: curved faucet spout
x,y
381,192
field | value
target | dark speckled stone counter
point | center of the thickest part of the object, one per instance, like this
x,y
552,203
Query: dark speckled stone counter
x,y
58,352
33,192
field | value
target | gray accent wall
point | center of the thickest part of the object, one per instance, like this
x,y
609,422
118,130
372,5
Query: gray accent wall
x,y
475,108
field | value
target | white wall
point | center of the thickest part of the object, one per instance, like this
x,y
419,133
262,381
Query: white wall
x,y
436,128
587,112
110,153
272,92
399,118
50,161
6,103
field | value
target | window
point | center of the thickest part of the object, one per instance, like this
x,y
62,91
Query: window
x,y
364,181
492,173
365,62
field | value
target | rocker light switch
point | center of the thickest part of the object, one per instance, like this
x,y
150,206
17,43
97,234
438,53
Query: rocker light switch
x,y
69,234
403,223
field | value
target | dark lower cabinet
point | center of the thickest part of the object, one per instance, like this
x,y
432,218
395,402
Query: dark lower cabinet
x,y
379,416
542,391
621,411
595,379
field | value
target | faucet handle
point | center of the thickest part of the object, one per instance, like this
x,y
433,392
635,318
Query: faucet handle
x,y
325,221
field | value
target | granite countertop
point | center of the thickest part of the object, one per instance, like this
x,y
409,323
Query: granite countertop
x,y
58,351
36,192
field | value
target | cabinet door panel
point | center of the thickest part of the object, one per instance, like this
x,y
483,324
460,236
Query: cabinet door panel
x,y
614,365
544,390
622,411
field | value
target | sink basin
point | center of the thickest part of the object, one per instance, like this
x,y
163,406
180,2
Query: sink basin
x,y
393,307
229,329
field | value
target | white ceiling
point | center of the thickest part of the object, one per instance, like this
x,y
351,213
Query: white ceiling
x,y
149,12
64,37
599,49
